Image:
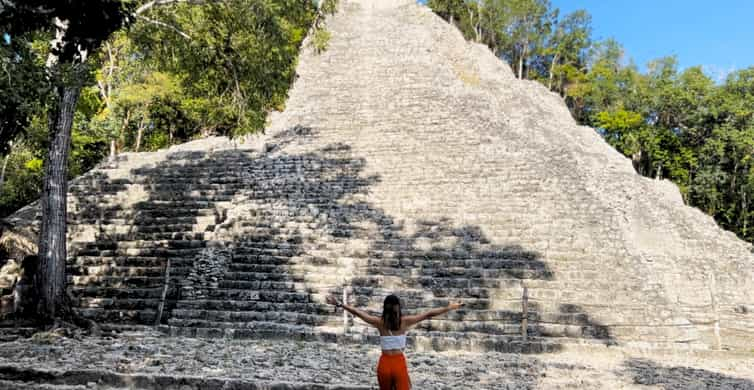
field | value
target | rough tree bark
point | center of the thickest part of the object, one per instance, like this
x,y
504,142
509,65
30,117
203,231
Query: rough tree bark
x,y
552,71
2,173
140,131
52,234
521,62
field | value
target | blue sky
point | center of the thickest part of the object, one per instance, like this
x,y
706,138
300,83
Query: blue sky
x,y
718,35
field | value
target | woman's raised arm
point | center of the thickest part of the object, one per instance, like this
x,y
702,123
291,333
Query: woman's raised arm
x,y
415,319
366,317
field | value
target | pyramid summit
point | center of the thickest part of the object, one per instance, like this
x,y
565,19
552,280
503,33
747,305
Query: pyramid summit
x,y
407,161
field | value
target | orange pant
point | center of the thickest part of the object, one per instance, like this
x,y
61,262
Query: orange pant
x,y
392,373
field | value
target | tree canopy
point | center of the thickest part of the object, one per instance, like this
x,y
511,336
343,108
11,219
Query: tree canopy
x,y
184,69
675,124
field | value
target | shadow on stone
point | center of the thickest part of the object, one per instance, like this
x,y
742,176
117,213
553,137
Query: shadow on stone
x,y
648,373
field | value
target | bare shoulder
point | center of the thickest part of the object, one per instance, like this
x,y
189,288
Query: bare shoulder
x,y
412,320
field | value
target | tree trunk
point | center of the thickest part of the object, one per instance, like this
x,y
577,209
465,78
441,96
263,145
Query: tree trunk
x,y
521,63
475,25
745,214
636,160
121,135
139,133
112,149
2,173
552,71
52,235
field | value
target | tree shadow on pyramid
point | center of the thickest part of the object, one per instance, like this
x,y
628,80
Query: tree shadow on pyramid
x,y
440,262
256,238
649,373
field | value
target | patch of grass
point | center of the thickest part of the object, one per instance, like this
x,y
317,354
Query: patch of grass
x,y
321,39
467,76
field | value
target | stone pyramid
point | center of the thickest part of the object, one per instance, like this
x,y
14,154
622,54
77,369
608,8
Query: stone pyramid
x,y
407,160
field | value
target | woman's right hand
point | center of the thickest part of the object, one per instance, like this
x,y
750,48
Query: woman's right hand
x,y
331,300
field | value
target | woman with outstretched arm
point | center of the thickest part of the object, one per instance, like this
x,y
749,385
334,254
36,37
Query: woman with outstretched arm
x,y
392,371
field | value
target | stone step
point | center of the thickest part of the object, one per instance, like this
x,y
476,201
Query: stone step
x,y
184,195
510,325
254,278
118,304
269,256
160,236
162,228
117,271
280,267
416,272
127,328
156,251
121,281
181,204
127,272
115,292
111,244
231,305
183,317
286,286
472,293
260,222
426,300
436,341
181,193
259,295
99,187
100,315
129,261
105,223
467,262
193,191
279,274
195,328
119,216
233,172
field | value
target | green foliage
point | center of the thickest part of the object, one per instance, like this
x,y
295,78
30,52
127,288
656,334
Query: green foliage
x,y
184,70
320,35
237,63
23,88
675,125
23,179
328,7
320,40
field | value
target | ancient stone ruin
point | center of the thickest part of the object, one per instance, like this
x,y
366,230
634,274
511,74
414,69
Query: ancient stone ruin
x,y
407,161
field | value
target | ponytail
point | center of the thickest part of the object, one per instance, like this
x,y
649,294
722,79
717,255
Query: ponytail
x,y
391,313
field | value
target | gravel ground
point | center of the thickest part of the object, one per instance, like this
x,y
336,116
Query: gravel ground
x,y
309,364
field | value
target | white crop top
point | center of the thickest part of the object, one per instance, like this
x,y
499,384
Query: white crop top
x,y
393,342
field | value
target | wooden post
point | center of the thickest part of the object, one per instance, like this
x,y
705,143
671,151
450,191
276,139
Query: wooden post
x,y
164,294
345,313
525,314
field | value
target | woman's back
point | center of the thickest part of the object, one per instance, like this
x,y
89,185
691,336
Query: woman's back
x,y
392,341
392,371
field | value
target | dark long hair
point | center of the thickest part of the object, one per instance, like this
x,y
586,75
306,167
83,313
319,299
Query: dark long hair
x,y
391,312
